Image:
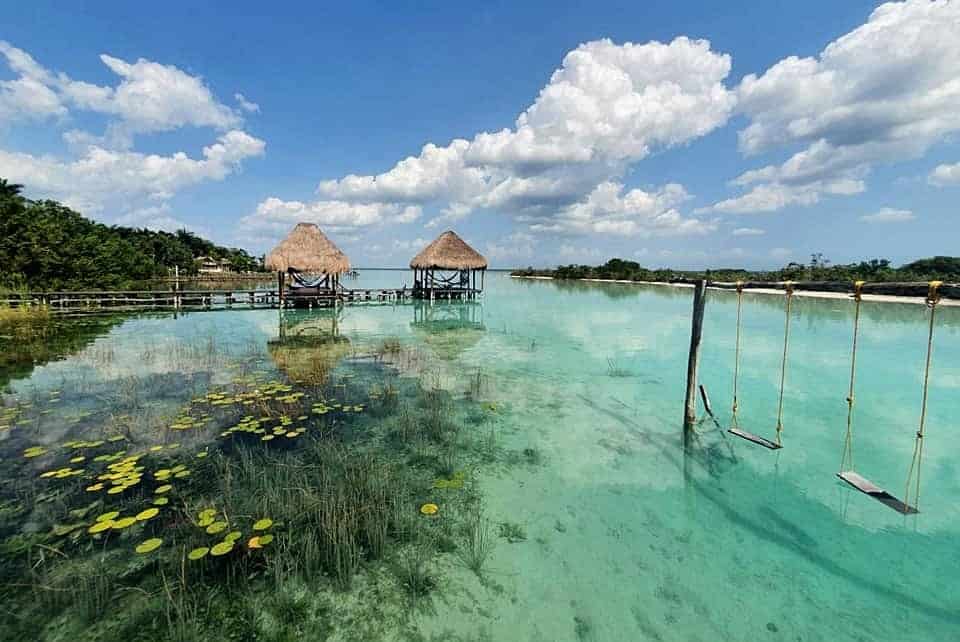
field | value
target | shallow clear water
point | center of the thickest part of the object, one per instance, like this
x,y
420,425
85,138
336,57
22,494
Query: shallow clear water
x,y
626,537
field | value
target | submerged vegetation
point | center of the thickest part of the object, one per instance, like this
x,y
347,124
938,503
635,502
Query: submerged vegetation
x,y
819,269
246,509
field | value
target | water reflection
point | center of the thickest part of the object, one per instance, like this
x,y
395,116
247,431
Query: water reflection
x,y
308,345
449,328
34,342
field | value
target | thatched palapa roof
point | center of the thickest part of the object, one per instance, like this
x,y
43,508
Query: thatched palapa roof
x,y
307,249
449,252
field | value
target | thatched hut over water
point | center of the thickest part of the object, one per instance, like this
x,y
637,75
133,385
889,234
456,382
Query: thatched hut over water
x,y
458,264
308,251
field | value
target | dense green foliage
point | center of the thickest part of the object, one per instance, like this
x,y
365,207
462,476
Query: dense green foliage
x,y
47,246
819,269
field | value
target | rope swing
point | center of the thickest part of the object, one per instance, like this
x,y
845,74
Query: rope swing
x,y
933,297
846,460
734,424
847,472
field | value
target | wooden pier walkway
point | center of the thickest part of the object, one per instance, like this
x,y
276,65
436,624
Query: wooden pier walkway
x,y
86,301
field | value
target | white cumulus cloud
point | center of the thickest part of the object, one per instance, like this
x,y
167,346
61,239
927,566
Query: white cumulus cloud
x,y
275,217
943,175
149,97
610,210
513,247
886,91
103,170
748,231
608,105
104,176
246,105
888,215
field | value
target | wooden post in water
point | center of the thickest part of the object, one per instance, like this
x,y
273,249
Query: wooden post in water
x,y
693,361
280,288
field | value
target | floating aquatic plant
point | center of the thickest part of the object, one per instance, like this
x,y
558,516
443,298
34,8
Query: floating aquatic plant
x,y
124,522
163,489
262,524
232,536
99,527
161,501
149,545
198,553
429,509
222,548
146,514
216,527
59,530
106,517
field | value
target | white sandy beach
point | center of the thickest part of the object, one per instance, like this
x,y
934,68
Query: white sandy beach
x,y
880,298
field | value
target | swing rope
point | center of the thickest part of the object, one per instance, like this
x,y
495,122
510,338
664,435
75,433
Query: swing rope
x,y
783,364
933,297
736,354
846,461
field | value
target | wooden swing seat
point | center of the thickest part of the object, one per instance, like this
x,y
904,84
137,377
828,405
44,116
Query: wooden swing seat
x,y
749,436
867,487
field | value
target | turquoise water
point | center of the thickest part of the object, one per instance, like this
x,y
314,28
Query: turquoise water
x,y
627,538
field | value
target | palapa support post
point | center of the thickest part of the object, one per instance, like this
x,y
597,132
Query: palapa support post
x,y
280,285
693,360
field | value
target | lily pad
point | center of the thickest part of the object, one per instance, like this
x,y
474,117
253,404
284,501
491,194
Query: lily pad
x,y
151,544
124,522
198,553
147,514
222,548
216,527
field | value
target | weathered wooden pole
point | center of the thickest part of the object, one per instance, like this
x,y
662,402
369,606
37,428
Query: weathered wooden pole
x,y
280,288
693,360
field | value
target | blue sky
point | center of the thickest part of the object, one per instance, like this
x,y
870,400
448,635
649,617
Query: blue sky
x,y
675,134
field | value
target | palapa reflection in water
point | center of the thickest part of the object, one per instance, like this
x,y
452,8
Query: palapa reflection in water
x,y
309,345
449,328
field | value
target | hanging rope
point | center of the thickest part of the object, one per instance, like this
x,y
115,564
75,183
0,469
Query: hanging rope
x,y
933,297
736,354
846,461
783,364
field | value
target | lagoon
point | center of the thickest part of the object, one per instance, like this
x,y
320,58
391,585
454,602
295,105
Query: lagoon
x,y
568,398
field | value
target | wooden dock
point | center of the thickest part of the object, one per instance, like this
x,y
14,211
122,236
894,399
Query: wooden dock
x,y
200,299
140,299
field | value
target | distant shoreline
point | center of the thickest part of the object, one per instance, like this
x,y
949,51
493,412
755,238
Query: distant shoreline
x,y
876,298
